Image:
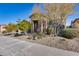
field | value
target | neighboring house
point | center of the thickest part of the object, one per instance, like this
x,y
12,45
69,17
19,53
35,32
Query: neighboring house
x,y
2,28
75,23
38,20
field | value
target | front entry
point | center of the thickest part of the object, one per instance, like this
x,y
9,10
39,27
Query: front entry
x,y
35,26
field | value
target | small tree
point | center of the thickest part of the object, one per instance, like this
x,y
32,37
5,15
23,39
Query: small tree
x,y
10,27
24,25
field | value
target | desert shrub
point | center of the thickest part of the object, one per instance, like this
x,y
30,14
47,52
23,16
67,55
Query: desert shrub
x,y
16,34
49,31
40,35
69,34
76,31
4,32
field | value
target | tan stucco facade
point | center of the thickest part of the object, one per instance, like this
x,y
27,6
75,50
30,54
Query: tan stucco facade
x,y
2,28
75,24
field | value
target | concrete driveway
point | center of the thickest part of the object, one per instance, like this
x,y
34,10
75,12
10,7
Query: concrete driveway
x,y
15,47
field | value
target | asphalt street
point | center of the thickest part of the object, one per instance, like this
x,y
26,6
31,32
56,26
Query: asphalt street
x,y
15,47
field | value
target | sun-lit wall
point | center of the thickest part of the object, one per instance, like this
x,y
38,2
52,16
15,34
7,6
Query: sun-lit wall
x,y
2,28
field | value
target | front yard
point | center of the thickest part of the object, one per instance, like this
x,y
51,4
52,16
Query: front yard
x,y
58,42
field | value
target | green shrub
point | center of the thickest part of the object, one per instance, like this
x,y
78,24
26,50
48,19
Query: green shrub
x,y
69,34
49,31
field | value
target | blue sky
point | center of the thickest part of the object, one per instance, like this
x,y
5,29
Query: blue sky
x,y
74,15
10,13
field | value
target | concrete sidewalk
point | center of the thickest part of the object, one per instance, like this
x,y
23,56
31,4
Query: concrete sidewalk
x,y
15,47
